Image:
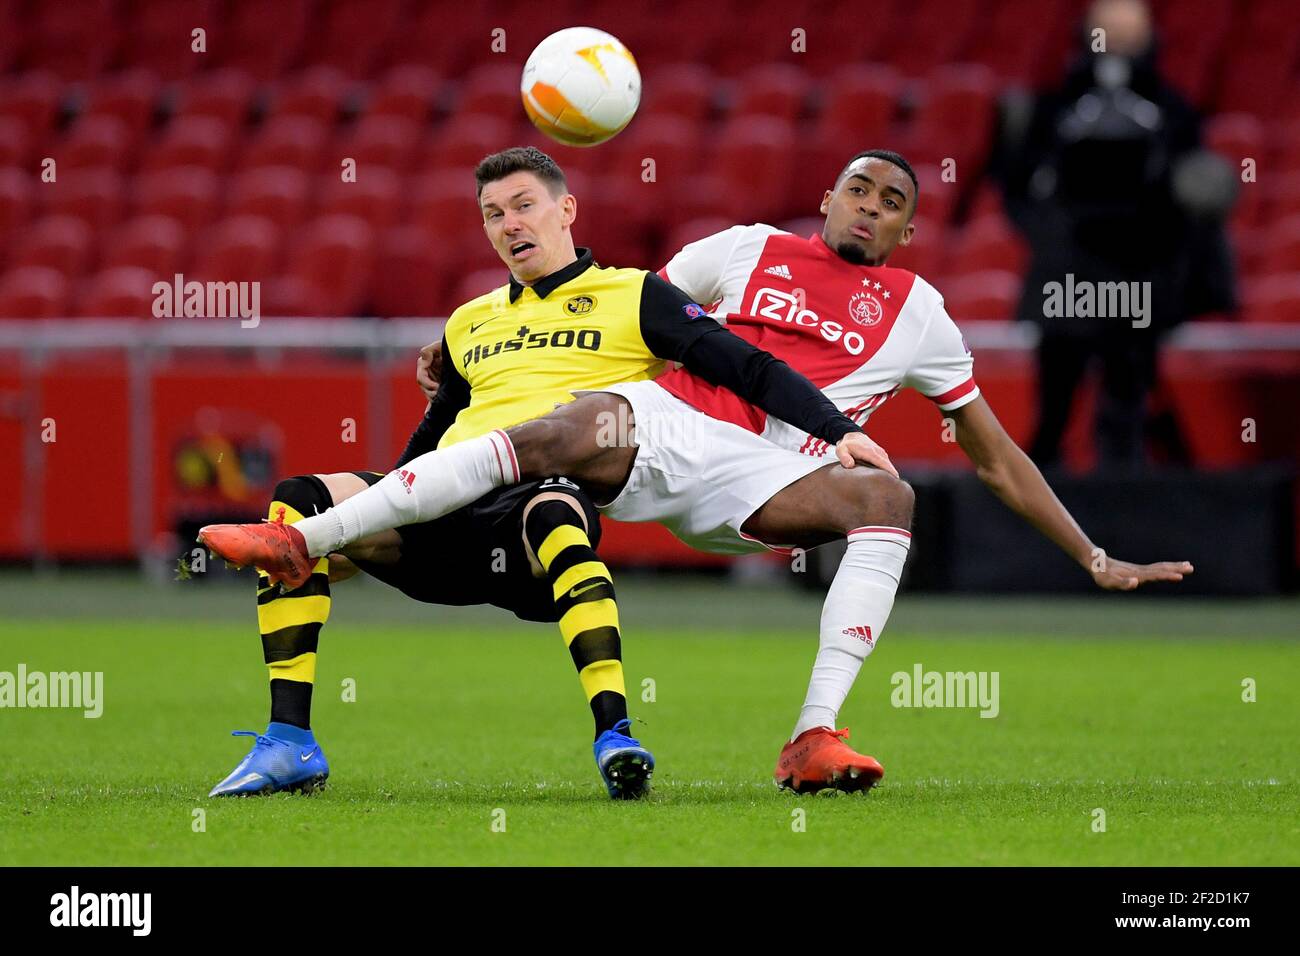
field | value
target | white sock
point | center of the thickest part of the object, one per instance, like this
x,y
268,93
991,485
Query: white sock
x,y
853,618
426,487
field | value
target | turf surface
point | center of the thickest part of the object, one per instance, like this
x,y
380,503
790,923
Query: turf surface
x,y
1134,708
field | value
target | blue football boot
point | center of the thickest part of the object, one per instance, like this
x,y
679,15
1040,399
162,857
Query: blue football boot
x,y
284,758
625,765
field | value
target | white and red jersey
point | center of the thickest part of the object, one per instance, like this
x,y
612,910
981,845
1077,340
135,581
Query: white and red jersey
x,y
859,333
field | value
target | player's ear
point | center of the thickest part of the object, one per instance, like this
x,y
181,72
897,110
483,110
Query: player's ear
x,y
568,209
826,203
908,230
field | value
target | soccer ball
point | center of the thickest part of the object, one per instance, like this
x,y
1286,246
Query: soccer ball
x,y
581,86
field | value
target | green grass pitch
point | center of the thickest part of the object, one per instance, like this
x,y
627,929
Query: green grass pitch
x,y
1128,705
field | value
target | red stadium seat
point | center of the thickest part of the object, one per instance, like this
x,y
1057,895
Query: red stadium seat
x,y
94,195
779,90
463,141
673,142
96,141
804,226
1273,299
153,243
190,195
296,141
17,200
32,98
477,283
62,243
293,296
261,37
1283,195
687,232
1235,137
375,196
935,32
317,93
15,143
954,119
679,89
277,193
988,244
122,292
443,204
160,37
73,38
381,141
414,275
193,141
225,95
857,113
409,91
1282,247
130,97
755,156
925,254
492,88
353,33
239,249
33,292
335,254
992,295
615,219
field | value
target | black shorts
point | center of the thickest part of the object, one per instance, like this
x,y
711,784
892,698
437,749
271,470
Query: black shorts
x,y
476,555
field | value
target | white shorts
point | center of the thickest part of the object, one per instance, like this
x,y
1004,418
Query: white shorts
x,y
699,477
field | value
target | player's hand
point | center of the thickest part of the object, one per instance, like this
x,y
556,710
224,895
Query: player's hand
x,y
426,365
857,447
1115,575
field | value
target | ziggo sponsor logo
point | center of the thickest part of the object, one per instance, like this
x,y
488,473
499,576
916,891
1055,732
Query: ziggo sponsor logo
x,y
784,307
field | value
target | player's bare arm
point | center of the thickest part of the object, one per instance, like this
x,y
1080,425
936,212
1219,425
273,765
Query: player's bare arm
x,y
1010,474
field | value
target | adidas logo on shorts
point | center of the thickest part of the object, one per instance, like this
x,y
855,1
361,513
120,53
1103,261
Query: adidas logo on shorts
x,y
407,478
782,271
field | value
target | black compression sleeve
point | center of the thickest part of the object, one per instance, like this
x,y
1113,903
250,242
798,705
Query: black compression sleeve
x,y
452,396
676,328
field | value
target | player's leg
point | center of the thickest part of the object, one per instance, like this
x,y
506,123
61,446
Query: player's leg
x,y
558,537
570,441
873,510
287,755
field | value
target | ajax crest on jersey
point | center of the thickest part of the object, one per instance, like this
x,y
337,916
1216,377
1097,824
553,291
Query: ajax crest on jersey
x,y
865,309
581,86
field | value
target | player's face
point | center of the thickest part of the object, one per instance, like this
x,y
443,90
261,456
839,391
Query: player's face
x,y
528,227
867,212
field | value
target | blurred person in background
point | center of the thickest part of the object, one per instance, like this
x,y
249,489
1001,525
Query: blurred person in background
x,y
1106,179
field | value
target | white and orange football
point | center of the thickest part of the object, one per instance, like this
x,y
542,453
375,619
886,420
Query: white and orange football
x,y
581,86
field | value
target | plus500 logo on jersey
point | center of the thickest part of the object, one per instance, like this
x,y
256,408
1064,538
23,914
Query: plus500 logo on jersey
x,y
784,308
586,339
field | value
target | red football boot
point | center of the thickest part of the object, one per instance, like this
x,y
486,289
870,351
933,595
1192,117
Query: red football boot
x,y
819,758
277,548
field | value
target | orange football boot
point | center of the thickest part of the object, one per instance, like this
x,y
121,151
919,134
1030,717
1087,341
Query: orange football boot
x,y
819,758
277,548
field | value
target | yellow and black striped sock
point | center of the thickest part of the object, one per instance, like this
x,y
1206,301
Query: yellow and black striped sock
x,y
290,623
585,603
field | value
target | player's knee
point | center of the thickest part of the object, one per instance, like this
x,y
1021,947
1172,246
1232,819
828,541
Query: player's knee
x,y
306,494
882,499
551,512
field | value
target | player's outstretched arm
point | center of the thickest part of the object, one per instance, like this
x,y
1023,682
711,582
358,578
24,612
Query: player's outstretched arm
x,y
1015,479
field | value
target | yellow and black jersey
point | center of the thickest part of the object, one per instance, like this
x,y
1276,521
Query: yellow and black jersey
x,y
515,353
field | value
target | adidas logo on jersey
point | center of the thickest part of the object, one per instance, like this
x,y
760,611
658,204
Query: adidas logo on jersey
x,y
782,271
